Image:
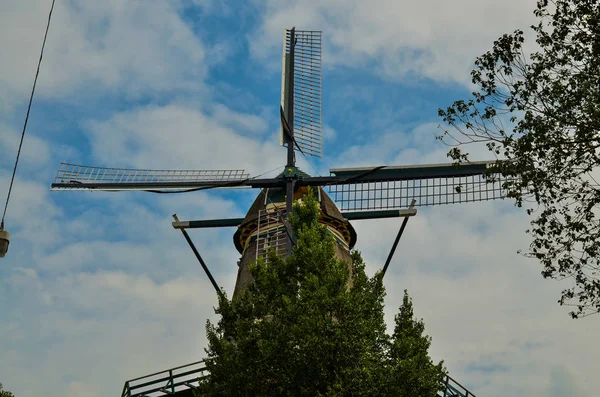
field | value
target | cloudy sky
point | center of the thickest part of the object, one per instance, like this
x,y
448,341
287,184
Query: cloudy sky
x,y
98,288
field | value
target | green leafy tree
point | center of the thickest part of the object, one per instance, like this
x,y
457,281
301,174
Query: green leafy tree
x,y
309,325
414,374
540,114
5,393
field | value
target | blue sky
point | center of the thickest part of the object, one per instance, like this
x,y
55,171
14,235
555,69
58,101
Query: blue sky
x,y
98,288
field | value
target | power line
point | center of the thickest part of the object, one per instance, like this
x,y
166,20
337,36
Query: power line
x,y
27,116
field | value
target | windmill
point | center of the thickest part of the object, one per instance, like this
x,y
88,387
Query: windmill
x,y
360,193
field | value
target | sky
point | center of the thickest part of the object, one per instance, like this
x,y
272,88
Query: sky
x,y
98,288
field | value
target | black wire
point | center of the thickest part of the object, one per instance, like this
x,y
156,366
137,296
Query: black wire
x,y
215,186
287,130
27,116
244,181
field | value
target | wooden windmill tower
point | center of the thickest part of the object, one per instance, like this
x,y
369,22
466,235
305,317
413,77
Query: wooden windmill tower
x,y
360,193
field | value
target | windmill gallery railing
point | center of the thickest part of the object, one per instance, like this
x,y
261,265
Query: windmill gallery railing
x,y
180,381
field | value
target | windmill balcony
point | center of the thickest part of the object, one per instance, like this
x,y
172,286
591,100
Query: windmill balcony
x,y
181,382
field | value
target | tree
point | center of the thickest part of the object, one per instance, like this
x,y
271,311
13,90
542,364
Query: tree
x,y
414,372
311,325
5,393
540,115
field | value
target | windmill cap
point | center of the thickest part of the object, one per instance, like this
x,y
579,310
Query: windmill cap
x,y
4,241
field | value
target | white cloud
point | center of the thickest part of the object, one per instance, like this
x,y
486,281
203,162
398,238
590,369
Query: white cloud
x,y
493,318
119,303
562,383
402,147
30,208
235,120
436,39
35,151
87,312
180,137
329,134
100,330
99,288
131,47
80,389
484,306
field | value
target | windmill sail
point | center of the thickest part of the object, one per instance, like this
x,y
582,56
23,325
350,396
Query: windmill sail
x,y
82,177
301,85
395,187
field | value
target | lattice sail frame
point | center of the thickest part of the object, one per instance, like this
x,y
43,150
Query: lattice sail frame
x,y
271,233
307,86
74,174
426,191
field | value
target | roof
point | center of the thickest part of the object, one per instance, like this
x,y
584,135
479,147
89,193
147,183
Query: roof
x,y
330,214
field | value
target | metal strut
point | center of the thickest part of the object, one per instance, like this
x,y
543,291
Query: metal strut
x,y
395,245
193,247
291,160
